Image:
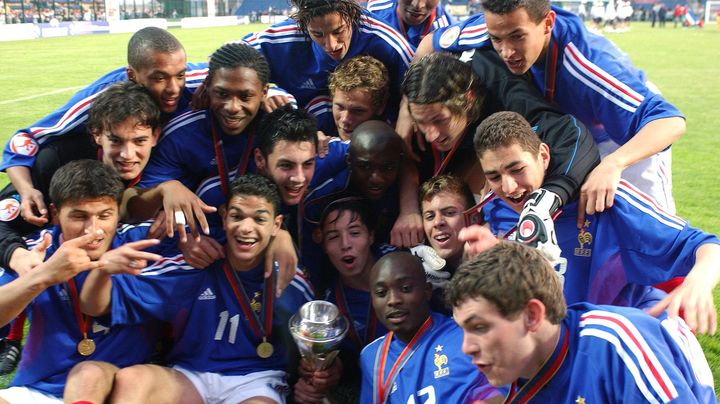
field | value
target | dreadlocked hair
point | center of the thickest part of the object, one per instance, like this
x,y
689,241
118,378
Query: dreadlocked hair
x,y
307,10
441,77
233,55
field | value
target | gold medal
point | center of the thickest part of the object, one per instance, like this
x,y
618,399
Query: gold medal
x,y
86,347
265,349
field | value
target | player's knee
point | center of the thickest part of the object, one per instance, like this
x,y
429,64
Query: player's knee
x,y
126,379
91,373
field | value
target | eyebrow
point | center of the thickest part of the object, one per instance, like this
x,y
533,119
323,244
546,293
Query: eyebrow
x,y
507,167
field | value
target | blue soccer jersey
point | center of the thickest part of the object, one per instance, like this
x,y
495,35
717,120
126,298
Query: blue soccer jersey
x,y
387,10
70,119
433,370
470,33
213,333
189,152
51,348
620,251
307,76
608,354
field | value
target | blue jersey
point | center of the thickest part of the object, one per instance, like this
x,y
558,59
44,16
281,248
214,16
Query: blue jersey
x,y
307,76
608,354
51,347
387,10
212,333
470,33
620,251
187,152
70,119
436,369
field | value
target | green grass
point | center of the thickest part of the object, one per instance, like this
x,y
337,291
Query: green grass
x,y
678,61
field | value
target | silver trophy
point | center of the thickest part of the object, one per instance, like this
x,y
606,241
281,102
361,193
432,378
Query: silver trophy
x,y
318,327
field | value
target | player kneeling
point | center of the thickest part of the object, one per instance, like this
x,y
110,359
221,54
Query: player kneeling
x,y
519,331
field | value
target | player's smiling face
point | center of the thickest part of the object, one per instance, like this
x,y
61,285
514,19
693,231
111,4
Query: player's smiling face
x,y
501,348
374,171
164,78
291,165
513,174
350,109
442,220
347,241
79,217
439,125
519,40
332,33
235,97
250,223
400,297
127,146
415,12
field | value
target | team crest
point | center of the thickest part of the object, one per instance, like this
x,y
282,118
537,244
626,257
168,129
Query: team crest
x,y
584,238
255,304
449,36
580,400
440,360
23,144
9,209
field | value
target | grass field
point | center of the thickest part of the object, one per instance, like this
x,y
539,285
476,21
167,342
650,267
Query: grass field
x,y
678,61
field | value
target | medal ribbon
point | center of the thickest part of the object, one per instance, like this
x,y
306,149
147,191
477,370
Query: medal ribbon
x,y
428,24
441,165
370,322
221,158
550,71
262,331
383,383
544,375
82,319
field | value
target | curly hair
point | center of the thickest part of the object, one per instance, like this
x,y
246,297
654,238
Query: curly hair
x,y
365,73
307,10
236,54
441,77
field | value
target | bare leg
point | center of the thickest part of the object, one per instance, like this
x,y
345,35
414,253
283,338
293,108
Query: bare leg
x,y
153,384
89,381
259,400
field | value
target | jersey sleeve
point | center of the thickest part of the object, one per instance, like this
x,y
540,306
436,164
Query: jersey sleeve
x,y
23,146
614,90
160,292
656,246
333,163
462,36
573,151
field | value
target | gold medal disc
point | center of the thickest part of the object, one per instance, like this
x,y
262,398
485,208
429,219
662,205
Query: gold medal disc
x,y
265,350
86,347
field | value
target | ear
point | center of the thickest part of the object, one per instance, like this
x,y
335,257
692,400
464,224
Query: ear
x,y
544,155
277,224
155,136
54,214
534,315
372,237
549,21
97,136
265,90
470,98
317,237
259,161
131,74
222,209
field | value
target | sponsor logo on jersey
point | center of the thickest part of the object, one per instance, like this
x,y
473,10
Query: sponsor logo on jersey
x,y
449,36
207,294
440,360
584,238
9,209
23,144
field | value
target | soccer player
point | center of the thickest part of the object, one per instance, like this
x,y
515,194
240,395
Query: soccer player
x,y
358,93
616,253
519,331
347,237
447,101
156,60
85,197
412,18
419,359
318,37
231,330
587,76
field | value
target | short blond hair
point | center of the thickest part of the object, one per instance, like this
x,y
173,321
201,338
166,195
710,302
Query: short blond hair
x,y
365,73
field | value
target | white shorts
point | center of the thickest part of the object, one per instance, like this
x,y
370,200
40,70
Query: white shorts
x,y
217,388
653,175
23,395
